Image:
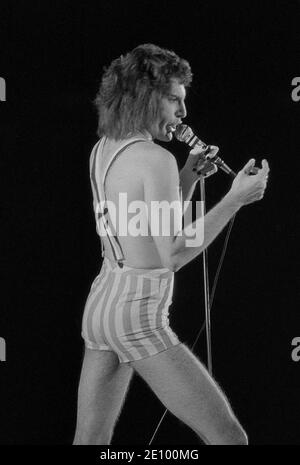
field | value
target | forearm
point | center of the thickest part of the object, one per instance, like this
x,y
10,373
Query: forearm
x,y
188,183
186,247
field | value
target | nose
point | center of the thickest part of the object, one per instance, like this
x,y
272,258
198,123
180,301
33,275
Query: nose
x,y
182,111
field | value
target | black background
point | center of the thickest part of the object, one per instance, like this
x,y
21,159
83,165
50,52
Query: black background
x,y
244,57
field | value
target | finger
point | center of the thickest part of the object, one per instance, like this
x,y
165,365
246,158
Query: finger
x,y
201,162
264,171
248,166
253,170
211,172
199,166
212,150
197,151
265,166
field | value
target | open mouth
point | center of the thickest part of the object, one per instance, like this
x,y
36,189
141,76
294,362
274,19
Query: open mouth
x,y
172,127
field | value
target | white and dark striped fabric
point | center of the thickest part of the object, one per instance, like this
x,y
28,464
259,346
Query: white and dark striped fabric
x,y
127,312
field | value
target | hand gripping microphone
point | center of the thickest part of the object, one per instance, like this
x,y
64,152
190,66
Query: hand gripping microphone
x,y
185,134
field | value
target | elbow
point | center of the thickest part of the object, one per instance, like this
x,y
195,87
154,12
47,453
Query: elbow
x,y
172,267
177,266
170,257
172,264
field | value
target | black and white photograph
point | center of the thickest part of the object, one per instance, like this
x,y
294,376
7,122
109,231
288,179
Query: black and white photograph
x,y
149,225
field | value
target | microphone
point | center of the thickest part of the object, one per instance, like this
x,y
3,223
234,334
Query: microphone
x,y
185,134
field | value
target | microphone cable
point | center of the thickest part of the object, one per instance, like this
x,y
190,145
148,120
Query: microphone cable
x,y
212,295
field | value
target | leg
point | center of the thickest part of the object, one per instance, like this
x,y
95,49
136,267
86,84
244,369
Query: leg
x,y
101,394
187,390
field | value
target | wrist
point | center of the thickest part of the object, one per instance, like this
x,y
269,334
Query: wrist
x,y
232,201
188,176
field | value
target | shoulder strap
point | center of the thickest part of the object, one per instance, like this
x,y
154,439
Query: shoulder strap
x,y
99,195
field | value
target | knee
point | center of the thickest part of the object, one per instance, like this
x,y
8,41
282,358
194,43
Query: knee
x,y
239,435
233,434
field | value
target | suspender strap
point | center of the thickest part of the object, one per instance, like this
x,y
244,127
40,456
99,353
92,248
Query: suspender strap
x,y
99,196
101,211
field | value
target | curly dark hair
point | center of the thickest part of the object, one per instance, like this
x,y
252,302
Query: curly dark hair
x,y
132,87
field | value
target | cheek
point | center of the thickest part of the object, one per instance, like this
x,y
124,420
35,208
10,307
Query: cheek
x,y
165,115
165,111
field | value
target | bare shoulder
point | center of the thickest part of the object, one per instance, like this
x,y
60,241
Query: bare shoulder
x,y
150,156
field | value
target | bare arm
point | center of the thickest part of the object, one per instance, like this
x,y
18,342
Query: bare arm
x,y
188,177
161,182
187,183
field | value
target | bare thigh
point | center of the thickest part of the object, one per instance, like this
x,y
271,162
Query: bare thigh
x,y
184,386
102,389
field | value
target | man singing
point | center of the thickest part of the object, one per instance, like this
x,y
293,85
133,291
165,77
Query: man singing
x,y
125,323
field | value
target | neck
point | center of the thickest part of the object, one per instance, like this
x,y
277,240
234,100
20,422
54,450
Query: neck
x,y
143,133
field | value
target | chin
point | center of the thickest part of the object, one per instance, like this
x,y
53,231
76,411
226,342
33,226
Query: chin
x,y
164,137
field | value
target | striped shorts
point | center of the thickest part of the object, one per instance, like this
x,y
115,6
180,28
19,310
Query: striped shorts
x,y
127,312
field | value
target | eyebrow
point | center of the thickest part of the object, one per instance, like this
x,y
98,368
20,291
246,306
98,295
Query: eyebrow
x,y
177,96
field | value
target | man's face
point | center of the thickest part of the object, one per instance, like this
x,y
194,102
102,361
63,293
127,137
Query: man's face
x,y
172,110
